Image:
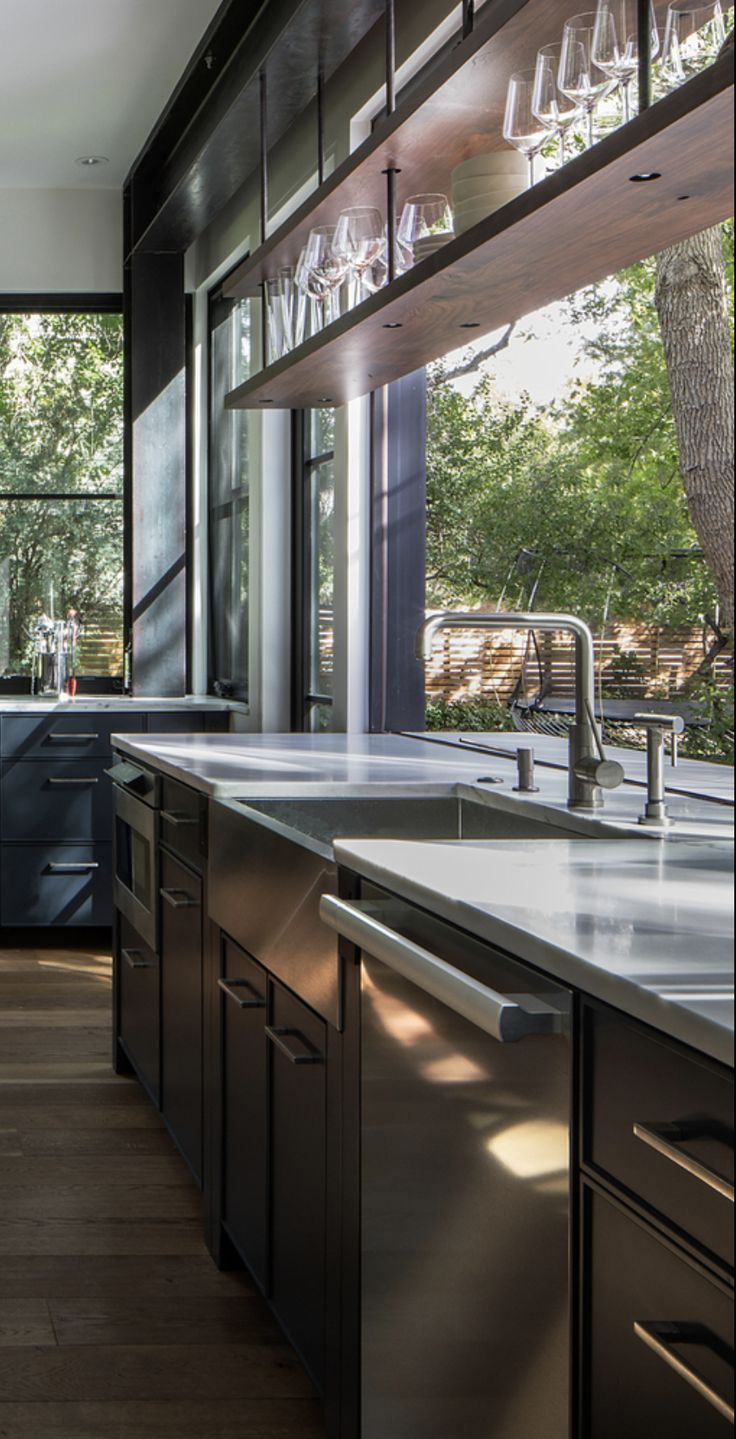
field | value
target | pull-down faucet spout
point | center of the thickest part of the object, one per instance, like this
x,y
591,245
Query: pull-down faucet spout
x,y
588,769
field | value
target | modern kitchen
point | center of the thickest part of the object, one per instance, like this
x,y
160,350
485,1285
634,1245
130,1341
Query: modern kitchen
x,y
366,720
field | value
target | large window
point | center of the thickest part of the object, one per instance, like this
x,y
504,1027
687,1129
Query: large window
x,y
61,490
315,540
230,456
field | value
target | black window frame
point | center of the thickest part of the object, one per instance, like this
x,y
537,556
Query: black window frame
x,y
304,465
73,303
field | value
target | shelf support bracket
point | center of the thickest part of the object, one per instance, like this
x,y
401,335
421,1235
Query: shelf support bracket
x,y
320,126
390,56
645,54
391,174
264,155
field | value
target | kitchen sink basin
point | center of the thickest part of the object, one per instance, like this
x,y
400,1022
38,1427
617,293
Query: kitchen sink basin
x,y
404,817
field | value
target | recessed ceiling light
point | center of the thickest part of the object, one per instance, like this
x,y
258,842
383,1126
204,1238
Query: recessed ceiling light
x,y
394,325
646,176
88,161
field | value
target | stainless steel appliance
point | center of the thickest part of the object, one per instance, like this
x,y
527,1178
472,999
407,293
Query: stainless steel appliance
x,y
465,1138
135,847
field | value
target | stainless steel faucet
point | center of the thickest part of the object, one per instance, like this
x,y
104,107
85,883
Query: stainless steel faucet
x,y
657,727
588,769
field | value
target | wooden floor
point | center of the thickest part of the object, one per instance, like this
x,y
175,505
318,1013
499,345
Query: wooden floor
x,y
114,1323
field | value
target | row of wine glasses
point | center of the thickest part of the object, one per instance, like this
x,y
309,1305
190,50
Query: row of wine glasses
x,y
351,257
598,56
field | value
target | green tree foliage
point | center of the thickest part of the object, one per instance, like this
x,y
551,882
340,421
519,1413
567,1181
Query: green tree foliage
x,y
589,485
60,433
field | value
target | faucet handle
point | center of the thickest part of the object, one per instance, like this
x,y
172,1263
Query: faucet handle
x,y
606,773
674,724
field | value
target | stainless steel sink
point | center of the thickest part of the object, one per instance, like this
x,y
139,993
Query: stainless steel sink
x,y
405,817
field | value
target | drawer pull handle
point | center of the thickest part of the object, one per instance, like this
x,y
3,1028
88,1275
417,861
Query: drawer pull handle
x,y
278,1036
66,737
68,867
666,1140
176,817
179,899
79,779
660,1339
134,958
230,987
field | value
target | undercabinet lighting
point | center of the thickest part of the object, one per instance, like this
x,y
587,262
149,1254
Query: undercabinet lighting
x,y
89,161
470,325
393,325
645,177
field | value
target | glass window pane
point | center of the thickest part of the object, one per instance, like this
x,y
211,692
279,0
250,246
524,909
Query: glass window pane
x,y
320,433
321,545
57,556
231,454
61,416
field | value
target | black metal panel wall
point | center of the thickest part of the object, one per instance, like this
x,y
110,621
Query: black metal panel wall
x,y
157,456
399,496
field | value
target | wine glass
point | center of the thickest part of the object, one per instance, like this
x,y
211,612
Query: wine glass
x,y
359,241
550,105
579,78
694,33
615,47
521,127
422,217
324,270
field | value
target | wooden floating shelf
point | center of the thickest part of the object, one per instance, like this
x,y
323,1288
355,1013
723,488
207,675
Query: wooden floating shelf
x,y
453,111
582,223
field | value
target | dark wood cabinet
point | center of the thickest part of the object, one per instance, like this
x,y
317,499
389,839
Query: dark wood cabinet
x,y
181,1006
297,1042
243,1001
138,1010
659,1337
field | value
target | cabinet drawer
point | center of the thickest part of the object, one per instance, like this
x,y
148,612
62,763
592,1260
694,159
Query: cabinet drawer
x,y
243,1001
660,1122
183,821
681,1319
181,1007
188,722
139,1008
56,799
63,884
65,736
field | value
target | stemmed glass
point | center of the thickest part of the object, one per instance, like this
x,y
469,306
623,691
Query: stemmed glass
x,y
324,270
551,106
359,241
579,78
522,128
422,217
694,33
615,47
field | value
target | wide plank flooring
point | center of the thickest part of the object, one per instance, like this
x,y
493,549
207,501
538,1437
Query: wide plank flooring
x,y
114,1322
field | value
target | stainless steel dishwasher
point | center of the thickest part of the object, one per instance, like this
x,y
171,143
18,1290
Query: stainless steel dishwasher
x,y
465,1153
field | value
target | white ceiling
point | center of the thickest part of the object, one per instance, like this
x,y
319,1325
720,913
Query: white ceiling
x,y
87,77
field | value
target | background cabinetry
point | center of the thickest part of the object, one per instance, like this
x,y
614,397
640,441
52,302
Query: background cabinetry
x,y
56,809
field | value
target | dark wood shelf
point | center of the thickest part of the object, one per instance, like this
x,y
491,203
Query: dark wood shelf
x,y
453,111
582,223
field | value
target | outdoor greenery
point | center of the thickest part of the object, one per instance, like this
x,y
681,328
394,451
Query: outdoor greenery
x,y
579,504
61,422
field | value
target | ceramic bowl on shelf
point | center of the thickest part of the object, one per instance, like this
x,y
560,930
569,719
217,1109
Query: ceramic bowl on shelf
x,y
488,188
497,162
470,214
430,244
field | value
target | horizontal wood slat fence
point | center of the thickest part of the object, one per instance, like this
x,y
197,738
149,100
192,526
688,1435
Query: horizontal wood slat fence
x,y
631,661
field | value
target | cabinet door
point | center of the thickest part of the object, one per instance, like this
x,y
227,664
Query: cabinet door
x,y
660,1337
297,1041
243,997
138,1014
181,1007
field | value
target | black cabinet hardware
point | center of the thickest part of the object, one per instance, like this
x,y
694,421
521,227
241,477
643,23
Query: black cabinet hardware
x,y
76,780
179,899
170,816
666,1140
69,867
305,1055
661,1339
135,959
234,989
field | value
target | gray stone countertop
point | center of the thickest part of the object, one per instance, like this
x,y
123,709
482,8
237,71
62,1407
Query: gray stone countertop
x,y
50,704
647,928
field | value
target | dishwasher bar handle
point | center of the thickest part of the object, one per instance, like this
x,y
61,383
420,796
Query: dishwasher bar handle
x,y
499,1016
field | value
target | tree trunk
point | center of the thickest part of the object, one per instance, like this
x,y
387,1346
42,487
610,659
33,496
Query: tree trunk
x,y
693,314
